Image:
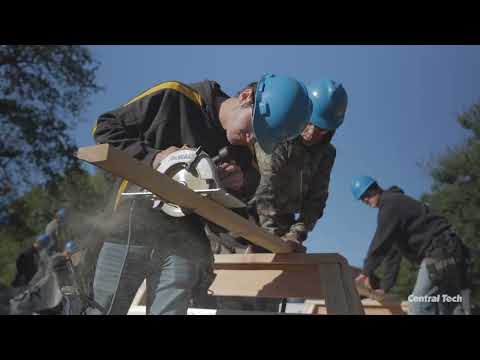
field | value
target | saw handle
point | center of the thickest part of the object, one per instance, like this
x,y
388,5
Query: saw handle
x,y
191,165
223,154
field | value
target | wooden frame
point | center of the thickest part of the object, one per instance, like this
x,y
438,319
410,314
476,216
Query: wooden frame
x,y
318,276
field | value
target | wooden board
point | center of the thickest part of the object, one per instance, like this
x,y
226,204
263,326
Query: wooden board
x,y
142,310
351,290
371,307
331,281
294,258
326,276
121,164
365,292
268,283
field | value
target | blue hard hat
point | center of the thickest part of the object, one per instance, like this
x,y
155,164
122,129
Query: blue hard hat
x,y
329,100
71,247
282,110
360,185
42,240
60,213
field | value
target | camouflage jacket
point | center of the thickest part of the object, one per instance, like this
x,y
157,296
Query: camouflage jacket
x,y
294,178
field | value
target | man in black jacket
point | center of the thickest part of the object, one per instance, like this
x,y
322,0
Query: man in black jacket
x,y
407,228
173,254
28,261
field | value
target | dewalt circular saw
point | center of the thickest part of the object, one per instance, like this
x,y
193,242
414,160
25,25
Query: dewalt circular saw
x,y
194,169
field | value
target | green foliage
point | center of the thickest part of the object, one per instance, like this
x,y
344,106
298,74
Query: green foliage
x,y
455,194
456,184
406,280
43,90
9,249
82,194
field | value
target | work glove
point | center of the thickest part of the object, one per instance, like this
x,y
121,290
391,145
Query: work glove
x,y
294,235
300,230
364,287
363,282
291,238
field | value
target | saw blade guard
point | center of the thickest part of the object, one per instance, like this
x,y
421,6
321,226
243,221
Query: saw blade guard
x,y
191,168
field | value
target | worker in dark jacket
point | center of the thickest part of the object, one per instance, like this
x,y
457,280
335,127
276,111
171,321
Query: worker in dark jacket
x,y
48,292
174,253
28,261
57,231
408,228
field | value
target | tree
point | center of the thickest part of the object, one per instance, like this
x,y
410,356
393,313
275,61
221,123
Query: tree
x,y
456,183
456,186
407,277
82,194
43,90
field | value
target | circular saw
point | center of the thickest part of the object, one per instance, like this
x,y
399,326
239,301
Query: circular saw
x,y
194,169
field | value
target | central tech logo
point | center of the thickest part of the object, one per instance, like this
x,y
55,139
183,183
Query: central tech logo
x,y
435,298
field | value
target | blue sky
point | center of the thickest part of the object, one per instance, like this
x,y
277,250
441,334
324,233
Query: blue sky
x,y
403,104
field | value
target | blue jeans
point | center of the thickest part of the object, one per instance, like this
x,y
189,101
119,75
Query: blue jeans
x,y
173,255
423,300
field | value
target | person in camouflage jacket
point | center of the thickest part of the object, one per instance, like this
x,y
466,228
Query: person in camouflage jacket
x,y
295,177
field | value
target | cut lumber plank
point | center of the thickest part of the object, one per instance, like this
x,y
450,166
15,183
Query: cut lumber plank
x,y
371,307
294,258
121,164
363,291
141,310
267,283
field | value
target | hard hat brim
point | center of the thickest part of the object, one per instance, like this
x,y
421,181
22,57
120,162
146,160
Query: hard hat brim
x,y
270,133
263,133
324,123
361,191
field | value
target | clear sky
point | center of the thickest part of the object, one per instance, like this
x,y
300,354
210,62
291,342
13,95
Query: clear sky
x,y
403,104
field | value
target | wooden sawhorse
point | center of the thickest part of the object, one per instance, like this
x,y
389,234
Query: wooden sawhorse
x,y
307,276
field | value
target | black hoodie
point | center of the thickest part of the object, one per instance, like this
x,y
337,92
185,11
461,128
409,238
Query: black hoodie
x,y
169,114
406,227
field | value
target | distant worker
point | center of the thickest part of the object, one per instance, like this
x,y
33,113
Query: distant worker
x,y
57,230
53,290
72,282
28,261
408,228
70,248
